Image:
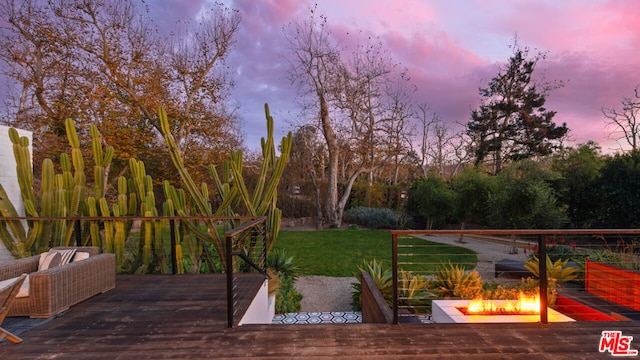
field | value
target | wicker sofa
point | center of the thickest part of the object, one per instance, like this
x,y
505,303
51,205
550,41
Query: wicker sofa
x,y
54,290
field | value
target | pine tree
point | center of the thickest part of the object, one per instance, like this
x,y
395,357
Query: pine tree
x,y
512,122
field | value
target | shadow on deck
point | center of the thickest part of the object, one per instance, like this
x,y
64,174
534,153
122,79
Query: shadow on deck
x,y
184,317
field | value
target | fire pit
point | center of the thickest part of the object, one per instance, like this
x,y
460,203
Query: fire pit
x,y
491,311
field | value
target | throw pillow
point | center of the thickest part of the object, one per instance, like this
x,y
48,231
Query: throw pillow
x,y
49,260
80,255
67,255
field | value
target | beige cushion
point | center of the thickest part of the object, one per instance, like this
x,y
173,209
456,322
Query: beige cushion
x,y
80,255
24,289
49,260
67,255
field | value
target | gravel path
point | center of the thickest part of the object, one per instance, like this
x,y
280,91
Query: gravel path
x,y
324,293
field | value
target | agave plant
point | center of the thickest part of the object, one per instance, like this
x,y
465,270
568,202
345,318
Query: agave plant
x,y
557,272
414,289
282,264
382,276
455,281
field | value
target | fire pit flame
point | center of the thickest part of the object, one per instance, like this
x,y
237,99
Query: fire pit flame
x,y
525,305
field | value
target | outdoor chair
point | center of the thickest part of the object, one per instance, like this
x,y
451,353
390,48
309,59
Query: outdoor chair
x,y
8,292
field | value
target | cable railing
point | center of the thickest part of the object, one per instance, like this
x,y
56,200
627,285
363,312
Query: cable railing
x,y
241,242
247,242
592,275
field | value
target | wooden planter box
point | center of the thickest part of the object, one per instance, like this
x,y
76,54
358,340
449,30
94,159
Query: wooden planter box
x,y
613,283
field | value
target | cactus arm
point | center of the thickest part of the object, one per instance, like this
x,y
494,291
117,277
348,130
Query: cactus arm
x,y
94,228
24,168
199,199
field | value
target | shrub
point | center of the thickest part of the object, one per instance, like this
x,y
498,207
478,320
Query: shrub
x,y
284,272
414,290
288,298
381,275
454,281
372,218
496,291
282,264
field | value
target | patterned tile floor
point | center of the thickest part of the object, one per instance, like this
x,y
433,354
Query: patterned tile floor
x,y
336,317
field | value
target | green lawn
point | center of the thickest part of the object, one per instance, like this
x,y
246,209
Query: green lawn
x,y
339,252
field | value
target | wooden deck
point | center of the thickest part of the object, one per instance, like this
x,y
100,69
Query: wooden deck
x,y
184,317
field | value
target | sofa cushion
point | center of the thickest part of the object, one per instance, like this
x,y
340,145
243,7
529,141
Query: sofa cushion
x,y
80,255
67,255
49,260
24,289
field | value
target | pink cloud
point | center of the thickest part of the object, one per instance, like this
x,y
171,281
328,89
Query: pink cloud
x,y
451,49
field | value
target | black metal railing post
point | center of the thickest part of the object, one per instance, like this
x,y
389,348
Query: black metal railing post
x,y
174,260
264,250
78,230
542,278
229,260
394,268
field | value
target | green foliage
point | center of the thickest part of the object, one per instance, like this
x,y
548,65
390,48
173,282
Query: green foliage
x,y
431,197
472,188
414,290
496,291
283,272
619,197
454,281
557,272
232,191
524,199
372,218
626,257
381,275
578,187
512,122
282,264
376,195
288,298
63,194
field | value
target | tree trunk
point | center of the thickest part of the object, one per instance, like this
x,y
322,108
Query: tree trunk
x,y
332,147
316,186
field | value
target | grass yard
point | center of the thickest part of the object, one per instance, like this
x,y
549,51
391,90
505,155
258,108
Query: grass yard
x,y
340,252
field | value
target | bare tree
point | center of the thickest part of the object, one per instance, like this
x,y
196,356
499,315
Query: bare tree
x,y
313,65
351,96
427,121
625,123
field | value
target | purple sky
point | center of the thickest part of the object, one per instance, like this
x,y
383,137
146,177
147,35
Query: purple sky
x,y
451,48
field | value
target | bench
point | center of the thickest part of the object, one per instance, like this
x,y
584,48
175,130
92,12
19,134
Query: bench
x,y
511,267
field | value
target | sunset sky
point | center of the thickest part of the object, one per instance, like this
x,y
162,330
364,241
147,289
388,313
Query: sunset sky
x,y
451,48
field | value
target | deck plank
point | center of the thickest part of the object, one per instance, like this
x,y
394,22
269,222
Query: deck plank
x,y
184,317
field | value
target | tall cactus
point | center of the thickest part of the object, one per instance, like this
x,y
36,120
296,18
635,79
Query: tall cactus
x,y
231,186
62,194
